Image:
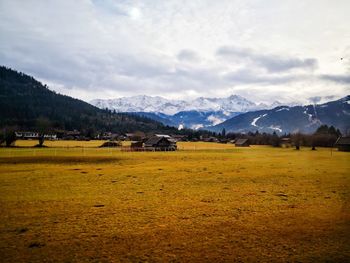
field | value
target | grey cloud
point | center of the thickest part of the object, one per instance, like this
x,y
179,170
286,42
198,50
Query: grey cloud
x,y
315,99
187,55
250,77
341,79
96,47
272,63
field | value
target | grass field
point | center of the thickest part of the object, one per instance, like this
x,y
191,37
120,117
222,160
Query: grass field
x,y
205,203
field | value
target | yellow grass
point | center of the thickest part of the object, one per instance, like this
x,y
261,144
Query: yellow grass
x,y
206,203
56,143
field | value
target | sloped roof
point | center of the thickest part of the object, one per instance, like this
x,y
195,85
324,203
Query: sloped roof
x,y
154,140
241,141
343,141
162,135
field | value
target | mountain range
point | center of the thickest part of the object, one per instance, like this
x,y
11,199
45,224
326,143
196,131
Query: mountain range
x,y
24,101
143,103
284,119
235,113
194,114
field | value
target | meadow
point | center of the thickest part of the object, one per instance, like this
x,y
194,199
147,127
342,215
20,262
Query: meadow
x,y
207,202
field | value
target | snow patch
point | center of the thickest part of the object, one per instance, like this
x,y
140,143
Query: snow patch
x,y
276,128
310,115
287,109
214,120
256,119
346,113
163,105
196,126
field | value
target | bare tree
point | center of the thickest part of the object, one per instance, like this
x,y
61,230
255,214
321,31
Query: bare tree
x,y
43,126
8,136
296,139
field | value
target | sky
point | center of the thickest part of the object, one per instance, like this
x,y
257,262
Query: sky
x,y
263,50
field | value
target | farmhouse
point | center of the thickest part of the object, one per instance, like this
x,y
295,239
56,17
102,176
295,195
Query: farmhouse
x,y
72,135
27,135
343,144
107,136
242,143
136,144
158,143
34,136
210,139
179,138
138,136
286,142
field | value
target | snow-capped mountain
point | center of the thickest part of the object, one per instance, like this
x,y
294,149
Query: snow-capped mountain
x,y
141,103
285,119
234,113
190,119
195,114
158,104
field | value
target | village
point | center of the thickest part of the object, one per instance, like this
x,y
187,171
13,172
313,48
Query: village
x,y
139,141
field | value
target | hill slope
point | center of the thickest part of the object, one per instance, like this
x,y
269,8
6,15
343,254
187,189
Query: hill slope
x,y
23,100
286,119
190,119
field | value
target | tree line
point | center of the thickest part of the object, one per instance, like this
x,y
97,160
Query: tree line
x,y
324,136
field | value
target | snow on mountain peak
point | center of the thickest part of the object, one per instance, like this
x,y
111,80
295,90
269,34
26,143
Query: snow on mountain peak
x,y
144,103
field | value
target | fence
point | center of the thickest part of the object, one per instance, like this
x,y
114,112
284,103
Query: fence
x,y
147,149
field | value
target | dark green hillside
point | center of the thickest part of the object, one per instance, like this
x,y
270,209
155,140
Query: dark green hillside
x,y
23,100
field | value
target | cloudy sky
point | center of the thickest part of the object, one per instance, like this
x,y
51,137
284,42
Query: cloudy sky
x,y
264,50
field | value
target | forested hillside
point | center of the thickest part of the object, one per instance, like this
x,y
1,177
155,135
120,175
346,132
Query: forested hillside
x,y
24,101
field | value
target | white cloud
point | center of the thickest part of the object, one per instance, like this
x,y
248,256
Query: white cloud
x,y
265,51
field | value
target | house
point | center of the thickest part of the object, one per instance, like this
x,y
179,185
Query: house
x,y
34,136
72,135
286,142
343,144
136,144
27,135
242,143
157,143
137,136
163,135
107,136
179,138
223,140
210,139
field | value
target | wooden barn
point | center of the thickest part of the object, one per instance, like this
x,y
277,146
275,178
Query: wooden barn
x,y
136,144
343,144
157,143
242,143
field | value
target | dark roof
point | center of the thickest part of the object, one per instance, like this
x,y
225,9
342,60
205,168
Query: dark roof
x,y
343,141
241,141
286,139
154,140
136,144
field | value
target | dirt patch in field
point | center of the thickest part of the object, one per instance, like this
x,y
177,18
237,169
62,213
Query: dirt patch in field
x,y
57,160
